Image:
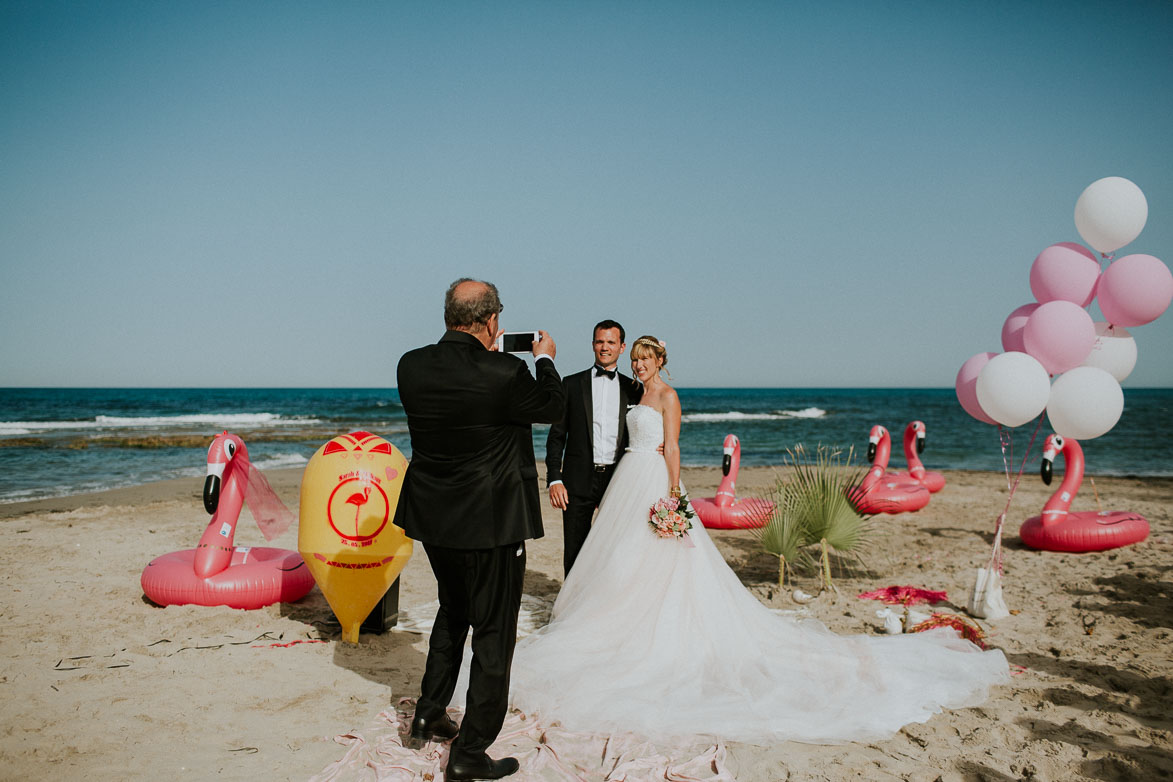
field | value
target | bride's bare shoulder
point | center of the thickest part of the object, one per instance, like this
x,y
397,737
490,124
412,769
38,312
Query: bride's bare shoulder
x,y
664,400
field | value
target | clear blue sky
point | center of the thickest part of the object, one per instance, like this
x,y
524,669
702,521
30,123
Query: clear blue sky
x,y
790,194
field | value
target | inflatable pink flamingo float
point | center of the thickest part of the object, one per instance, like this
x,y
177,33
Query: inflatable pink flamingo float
x,y
879,492
914,445
726,511
1060,529
216,572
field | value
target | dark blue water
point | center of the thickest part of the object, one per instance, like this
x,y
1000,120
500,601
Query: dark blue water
x,y
59,441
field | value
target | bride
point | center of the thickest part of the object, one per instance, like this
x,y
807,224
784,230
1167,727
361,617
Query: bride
x,y
658,637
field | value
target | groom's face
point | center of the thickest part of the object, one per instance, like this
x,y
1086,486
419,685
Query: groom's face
x,y
607,347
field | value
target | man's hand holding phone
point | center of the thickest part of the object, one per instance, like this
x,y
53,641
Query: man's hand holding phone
x,y
544,345
535,342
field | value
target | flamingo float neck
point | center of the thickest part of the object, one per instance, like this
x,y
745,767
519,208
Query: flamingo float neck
x,y
1057,507
223,497
730,463
914,445
879,450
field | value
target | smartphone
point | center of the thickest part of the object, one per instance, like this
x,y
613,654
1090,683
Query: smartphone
x,y
517,341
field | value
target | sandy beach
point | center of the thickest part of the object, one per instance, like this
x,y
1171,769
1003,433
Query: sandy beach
x,y
100,684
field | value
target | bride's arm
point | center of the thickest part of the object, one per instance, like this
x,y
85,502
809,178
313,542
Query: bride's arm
x,y
672,440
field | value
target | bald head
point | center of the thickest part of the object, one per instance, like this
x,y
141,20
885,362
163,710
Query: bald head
x,y
469,304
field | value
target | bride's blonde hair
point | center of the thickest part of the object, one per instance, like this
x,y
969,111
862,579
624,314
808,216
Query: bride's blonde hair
x,y
650,346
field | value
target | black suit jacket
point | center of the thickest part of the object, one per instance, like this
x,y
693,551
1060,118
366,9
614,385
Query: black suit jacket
x,y
472,482
570,444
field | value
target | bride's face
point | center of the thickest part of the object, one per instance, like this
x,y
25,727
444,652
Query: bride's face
x,y
645,367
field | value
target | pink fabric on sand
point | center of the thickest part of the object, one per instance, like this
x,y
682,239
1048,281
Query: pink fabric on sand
x,y
546,752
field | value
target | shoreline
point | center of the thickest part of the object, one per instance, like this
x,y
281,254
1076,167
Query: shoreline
x,y
99,683
287,480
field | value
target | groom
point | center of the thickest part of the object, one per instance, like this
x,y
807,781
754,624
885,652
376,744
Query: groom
x,y
470,497
583,448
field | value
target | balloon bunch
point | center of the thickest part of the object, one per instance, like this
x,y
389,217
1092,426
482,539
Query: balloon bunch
x,y
1055,337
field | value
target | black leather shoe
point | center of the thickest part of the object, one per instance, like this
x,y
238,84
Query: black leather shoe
x,y
423,730
486,768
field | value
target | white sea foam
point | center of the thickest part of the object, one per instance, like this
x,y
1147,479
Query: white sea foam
x,y
229,419
28,427
280,461
735,415
807,412
221,420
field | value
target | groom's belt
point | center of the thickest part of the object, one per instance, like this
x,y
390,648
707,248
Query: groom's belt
x,y
603,467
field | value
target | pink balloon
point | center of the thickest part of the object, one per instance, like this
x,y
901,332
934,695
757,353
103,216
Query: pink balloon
x,y
1135,290
966,385
1066,271
1012,328
1060,334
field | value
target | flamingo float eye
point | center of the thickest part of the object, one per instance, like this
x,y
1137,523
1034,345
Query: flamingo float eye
x,y
229,449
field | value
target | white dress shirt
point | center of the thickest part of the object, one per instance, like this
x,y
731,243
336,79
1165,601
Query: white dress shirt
x,y
605,415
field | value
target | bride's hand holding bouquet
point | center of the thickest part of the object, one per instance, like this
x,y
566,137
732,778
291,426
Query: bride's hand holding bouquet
x,y
671,516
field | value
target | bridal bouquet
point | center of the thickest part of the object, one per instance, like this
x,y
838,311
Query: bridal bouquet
x,y
671,517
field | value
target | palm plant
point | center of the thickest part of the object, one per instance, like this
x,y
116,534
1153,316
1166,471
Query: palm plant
x,y
784,536
812,509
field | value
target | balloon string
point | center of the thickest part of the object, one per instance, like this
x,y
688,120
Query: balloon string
x,y
1007,442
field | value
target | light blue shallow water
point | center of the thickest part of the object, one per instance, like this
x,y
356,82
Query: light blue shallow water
x,y
57,441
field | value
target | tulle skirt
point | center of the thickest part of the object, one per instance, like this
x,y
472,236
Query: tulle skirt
x,y
653,636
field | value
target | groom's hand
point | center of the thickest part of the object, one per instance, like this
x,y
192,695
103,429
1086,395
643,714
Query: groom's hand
x,y
559,496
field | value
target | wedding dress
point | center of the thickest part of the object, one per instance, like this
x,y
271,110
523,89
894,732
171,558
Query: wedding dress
x,y
652,636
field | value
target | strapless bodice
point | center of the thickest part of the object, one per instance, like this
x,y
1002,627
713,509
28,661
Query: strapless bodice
x,y
645,429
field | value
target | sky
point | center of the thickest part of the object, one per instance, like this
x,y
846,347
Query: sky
x,y
790,194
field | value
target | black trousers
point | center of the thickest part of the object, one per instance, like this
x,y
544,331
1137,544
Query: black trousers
x,y
478,589
580,510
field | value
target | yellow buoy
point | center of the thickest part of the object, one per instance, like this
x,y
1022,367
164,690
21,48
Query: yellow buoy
x,y
346,533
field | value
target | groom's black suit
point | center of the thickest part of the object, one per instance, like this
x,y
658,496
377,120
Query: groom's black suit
x,y
570,455
471,497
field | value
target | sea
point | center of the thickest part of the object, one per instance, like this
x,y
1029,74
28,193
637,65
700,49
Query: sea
x,y
62,441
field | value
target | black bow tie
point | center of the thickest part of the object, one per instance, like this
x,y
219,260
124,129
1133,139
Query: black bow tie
x,y
610,373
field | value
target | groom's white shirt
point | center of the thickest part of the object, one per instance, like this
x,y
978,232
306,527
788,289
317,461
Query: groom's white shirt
x,y
605,417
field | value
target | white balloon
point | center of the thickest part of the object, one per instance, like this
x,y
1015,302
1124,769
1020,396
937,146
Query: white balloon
x,y
1114,351
1013,388
1085,403
1110,213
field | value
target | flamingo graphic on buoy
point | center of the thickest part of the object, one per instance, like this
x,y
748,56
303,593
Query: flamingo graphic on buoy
x,y
358,499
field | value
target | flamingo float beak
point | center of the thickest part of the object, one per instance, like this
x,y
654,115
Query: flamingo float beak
x,y
212,487
920,442
1051,449
873,441
727,459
